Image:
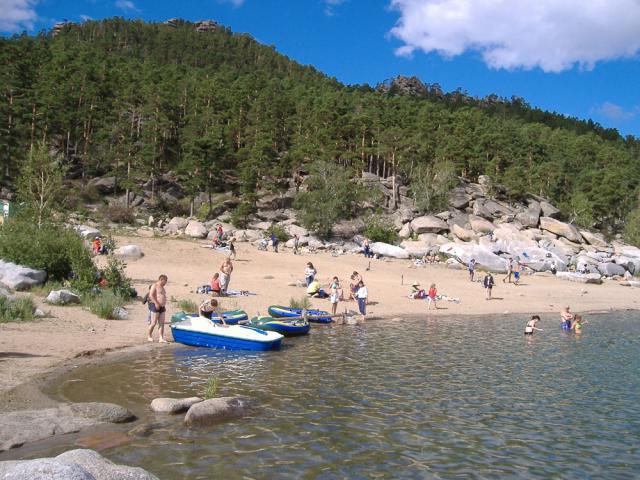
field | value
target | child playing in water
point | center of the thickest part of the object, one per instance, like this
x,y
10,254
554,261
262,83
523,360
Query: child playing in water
x,y
532,325
578,323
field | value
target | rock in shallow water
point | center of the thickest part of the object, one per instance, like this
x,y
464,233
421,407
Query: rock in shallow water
x,y
215,410
173,405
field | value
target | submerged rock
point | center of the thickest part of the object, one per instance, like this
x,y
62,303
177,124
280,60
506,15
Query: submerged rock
x,y
210,412
173,405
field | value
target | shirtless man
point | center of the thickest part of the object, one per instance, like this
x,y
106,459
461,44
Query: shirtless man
x,y
225,275
158,307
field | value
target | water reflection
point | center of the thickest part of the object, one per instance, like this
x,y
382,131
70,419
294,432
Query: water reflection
x,y
418,399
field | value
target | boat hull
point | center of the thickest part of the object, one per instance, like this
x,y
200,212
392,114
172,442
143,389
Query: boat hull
x,y
277,311
233,317
201,332
288,328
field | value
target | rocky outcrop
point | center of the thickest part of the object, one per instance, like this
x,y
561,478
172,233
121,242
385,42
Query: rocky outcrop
x,y
104,185
485,259
462,233
592,278
480,225
27,426
18,277
173,405
215,410
195,229
387,250
428,224
72,465
561,229
62,297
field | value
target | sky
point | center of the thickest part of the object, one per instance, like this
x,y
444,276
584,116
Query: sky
x,y
580,58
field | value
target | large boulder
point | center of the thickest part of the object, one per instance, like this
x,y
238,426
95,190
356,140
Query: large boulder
x,y
593,278
428,224
102,468
297,230
433,239
215,410
248,235
417,249
387,250
173,405
627,250
104,185
195,229
348,228
27,426
459,199
530,216
87,232
18,277
610,269
562,229
178,223
462,233
595,239
485,259
62,297
480,210
549,210
130,252
480,225
497,209
405,231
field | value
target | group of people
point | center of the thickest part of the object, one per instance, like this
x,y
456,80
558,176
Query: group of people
x,y
98,247
220,280
431,295
568,321
357,290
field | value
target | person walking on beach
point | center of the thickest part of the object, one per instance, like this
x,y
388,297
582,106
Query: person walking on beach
x,y
517,267
431,297
158,308
225,275
274,242
362,294
472,268
532,325
334,295
296,244
488,284
509,271
310,273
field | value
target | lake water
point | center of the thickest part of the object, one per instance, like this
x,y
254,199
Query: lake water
x,y
439,398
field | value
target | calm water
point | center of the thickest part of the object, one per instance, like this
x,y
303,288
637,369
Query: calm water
x,y
455,398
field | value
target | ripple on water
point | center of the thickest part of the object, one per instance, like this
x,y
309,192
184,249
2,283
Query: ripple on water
x,y
466,398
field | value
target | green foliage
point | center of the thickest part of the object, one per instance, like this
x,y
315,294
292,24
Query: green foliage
x,y
57,250
242,214
117,281
117,214
18,310
331,196
279,232
211,388
104,304
377,230
632,228
431,184
302,302
186,305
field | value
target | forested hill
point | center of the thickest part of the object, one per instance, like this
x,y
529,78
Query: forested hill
x,y
136,100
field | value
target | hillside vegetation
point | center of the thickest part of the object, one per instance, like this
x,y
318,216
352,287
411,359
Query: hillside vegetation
x,y
222,112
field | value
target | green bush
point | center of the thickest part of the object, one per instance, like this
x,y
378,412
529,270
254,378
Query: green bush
x,y
186,305
18,310
279,232
302,302
57,250
117,282
632,228
377,230
103,305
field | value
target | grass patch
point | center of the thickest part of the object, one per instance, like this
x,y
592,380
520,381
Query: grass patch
x,y
302,302
45,289
18,310
211,388
104,305
186,305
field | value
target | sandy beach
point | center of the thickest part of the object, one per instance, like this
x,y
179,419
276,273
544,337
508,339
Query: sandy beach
x,y
34,349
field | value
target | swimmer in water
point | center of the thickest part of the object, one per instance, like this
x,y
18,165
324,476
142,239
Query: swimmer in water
x,y
565,318
578,323
532,325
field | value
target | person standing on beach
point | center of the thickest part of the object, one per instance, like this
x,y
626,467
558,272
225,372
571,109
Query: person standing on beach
x,y
334,295
353,287
509,271
158,308
309,273
366,248
516,271
225,275
362,294
296,244
488,284
472,268
274,242
431,297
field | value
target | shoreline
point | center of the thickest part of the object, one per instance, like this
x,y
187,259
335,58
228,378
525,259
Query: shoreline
x,y
35,354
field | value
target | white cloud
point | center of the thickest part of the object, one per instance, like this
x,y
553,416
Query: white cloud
x,y
85,18
330,6
554,35
235,3
126,5
616,112
17,15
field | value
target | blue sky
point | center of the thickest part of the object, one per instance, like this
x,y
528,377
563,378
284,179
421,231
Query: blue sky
x,y
569,56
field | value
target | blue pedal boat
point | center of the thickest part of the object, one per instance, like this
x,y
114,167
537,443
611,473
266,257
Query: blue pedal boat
x,y
232,317
288,328
202,332
317,316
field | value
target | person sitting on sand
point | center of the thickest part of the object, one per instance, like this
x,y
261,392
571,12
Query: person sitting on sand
x,y
566,317
578,323
417,292
216,289
532,325
431,297
208,307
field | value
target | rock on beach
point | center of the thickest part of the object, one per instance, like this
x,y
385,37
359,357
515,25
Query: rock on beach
x,y
18,277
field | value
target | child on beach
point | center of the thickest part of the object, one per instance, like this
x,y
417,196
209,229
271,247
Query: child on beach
x,y
335,295
361,295
431,297
207,308
353,287
488,284
215,284
309,273
532,325
158,307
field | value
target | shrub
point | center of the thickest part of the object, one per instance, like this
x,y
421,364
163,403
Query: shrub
x,y
211,389
279,232
187,305
118,214
632,228
18,310
302,302
117,282
104,305
57,250
377,230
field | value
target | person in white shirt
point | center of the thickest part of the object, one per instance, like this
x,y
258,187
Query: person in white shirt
x,y
361,295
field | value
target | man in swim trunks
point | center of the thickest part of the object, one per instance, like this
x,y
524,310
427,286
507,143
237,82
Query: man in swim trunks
x,y
517,267
158,307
